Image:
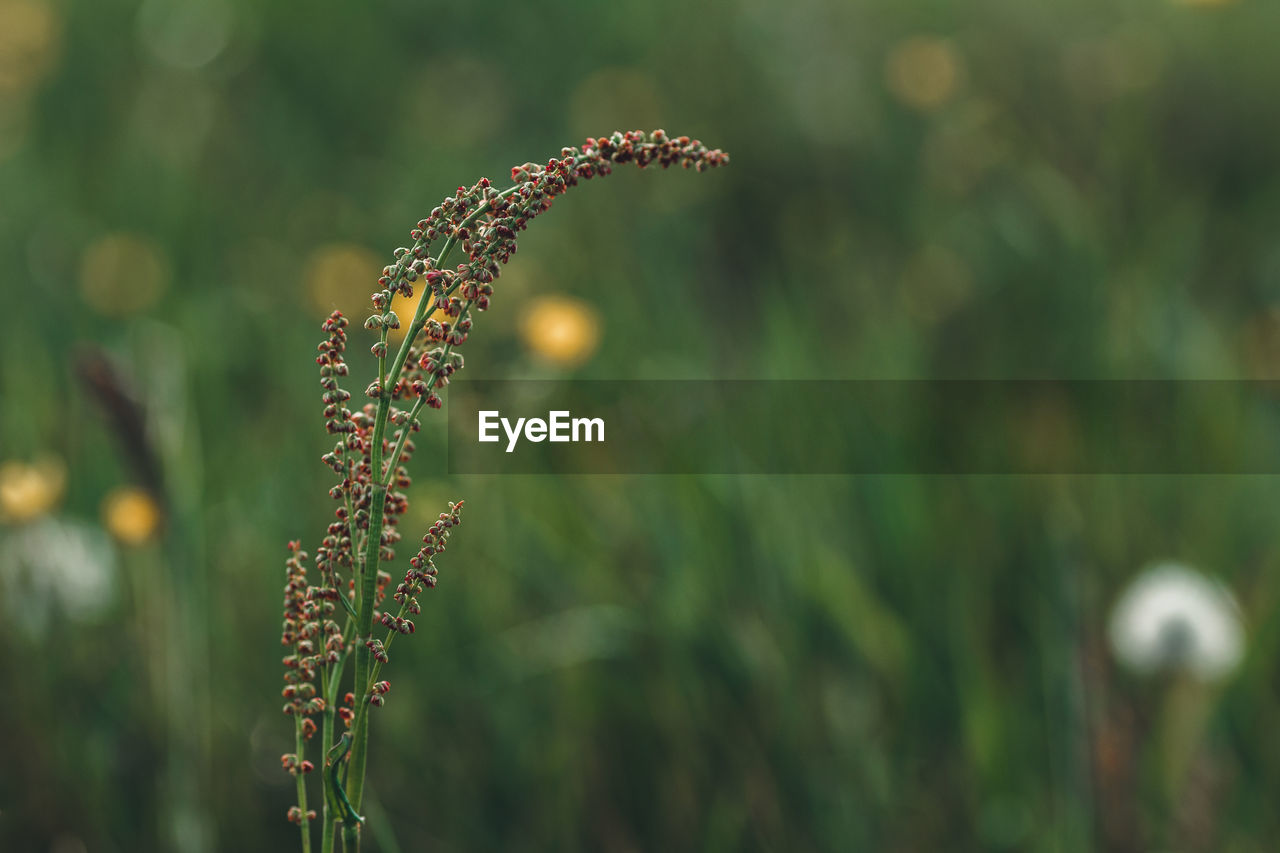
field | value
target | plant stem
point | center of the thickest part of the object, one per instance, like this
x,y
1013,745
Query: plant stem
x,y
364,630
368,585
394,458
344,783
420,314
327,689
351,838
362,712
352,532
382,357
304,825
330,683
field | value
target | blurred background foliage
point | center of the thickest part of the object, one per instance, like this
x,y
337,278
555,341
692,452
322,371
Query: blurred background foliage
x,y
994,189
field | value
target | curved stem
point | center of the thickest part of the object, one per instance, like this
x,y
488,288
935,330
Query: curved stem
x,y
344,794
394,459
368,586
420,314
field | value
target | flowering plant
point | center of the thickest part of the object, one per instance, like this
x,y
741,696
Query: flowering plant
x,y
371,464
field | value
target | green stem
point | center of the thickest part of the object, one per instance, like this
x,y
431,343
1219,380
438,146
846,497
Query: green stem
x,y
330,684
382,358
394,458
352,533
362,704
364,630
421,313
368,585
326,737
300,745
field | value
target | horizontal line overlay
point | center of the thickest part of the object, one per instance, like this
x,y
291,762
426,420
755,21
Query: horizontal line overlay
x,y
864,427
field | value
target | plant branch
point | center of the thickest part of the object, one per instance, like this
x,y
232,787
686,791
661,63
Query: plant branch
x,y
394,459
488,247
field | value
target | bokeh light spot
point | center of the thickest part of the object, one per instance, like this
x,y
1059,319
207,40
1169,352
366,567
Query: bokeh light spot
x,y
560,329
923,71
185,33
123,273
173,116
30,41
405,309
29,490
131,515
342,275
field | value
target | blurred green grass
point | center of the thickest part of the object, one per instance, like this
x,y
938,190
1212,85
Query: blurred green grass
x,y
992,190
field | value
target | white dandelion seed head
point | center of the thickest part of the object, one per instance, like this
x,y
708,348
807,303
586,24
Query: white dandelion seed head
x,y
1171,617
55,569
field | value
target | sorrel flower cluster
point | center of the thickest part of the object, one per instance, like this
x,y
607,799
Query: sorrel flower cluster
x,y
483,222
301,627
